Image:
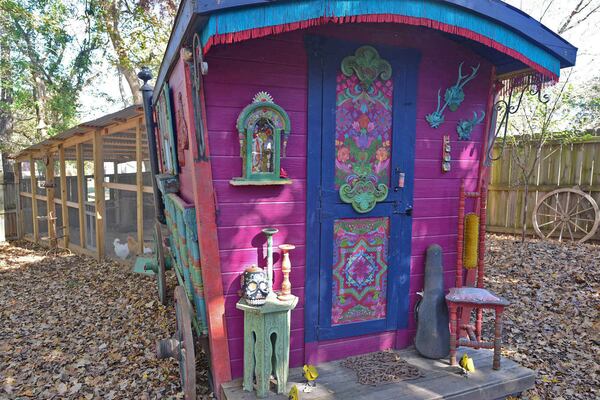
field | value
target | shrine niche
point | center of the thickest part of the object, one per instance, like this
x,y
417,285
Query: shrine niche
x,y
263,129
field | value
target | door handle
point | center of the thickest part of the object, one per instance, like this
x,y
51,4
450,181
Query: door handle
x,y
408,211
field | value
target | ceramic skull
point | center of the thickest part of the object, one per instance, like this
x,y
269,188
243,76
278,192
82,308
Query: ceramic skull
x,y
255,287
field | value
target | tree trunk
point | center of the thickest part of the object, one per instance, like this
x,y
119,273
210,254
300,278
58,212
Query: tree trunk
x,y
524,211
6,117
111,21
134,84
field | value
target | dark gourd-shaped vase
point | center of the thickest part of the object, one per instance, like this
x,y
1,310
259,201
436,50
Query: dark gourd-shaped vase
x,y
433,332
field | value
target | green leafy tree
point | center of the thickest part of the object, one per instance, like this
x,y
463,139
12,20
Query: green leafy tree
x,y
138,32
43,67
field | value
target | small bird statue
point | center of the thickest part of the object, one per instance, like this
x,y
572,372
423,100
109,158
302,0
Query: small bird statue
x,y
311,374
294,395
466,363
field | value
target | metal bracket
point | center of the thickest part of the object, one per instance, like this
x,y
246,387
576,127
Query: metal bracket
x,y
509,105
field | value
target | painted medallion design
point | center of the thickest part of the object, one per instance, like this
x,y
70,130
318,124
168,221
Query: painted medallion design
x,y
360,267
363,129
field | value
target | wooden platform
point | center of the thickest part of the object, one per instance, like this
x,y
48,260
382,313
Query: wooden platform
x,y
440,381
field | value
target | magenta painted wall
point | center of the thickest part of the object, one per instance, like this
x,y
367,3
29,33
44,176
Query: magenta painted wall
x,y
279,66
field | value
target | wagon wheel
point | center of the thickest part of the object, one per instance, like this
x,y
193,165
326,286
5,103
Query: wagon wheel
x,y
181,345
566,213
160,257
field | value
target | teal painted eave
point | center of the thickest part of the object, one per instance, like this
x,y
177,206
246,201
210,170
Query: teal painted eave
x,y
281,13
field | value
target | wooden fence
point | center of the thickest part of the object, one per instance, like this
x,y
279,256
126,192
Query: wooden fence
x,y
561,166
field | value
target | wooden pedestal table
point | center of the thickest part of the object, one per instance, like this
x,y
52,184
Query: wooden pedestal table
x,y
267,343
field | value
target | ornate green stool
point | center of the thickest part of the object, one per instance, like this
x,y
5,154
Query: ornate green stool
x,y
266,343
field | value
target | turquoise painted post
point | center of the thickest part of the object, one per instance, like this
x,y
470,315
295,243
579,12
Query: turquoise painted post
x,y
266,344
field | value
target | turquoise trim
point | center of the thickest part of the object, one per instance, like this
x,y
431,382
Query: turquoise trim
x,y
273,14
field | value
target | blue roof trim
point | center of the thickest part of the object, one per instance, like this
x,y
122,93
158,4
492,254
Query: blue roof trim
x,y
281,13
494,10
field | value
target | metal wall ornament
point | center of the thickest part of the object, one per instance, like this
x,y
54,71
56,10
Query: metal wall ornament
x,y
446,154
453,97
465,127
363,129
263,129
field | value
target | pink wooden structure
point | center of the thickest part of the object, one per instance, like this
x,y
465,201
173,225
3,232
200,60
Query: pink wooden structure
x,y
293,51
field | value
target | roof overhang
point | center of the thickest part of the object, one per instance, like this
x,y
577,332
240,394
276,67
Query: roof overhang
x,y
507,36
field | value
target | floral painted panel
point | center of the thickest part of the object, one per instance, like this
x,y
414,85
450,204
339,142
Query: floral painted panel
x,y
360,269
363,130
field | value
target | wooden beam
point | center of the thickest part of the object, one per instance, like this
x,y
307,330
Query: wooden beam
x,y
140,186
63,196
34,206
121,127
80,193
99,193
20,225
50,205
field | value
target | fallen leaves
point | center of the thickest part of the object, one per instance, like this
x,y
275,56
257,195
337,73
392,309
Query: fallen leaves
x,y
73,328
552,325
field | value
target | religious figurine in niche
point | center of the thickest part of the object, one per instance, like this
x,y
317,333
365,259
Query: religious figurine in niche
x,y
263,129
262,146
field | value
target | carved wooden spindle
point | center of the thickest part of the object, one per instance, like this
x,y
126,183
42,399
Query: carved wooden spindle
x,y
269,233
286,268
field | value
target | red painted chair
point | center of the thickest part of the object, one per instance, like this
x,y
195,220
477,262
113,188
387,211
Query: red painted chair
x,y
462,299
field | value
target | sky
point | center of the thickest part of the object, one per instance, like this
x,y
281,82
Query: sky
x,y
103,96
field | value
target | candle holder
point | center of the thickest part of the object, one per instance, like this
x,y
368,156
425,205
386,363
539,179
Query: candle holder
x,y
286,268
269,233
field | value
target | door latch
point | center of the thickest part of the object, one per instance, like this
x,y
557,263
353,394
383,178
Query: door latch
x,y
408,210
401,179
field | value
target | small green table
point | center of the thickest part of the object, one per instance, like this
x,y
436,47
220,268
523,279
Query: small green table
x,y
266,343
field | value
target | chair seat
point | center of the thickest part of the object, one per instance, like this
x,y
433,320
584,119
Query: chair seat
x,y
475,296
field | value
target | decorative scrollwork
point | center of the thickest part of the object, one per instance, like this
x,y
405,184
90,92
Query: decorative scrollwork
x,y
367,65
363,193
509,105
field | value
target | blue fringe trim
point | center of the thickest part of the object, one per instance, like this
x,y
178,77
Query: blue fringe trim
x,y
238,20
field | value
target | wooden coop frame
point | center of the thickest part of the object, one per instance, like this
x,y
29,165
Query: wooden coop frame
x,y
82,154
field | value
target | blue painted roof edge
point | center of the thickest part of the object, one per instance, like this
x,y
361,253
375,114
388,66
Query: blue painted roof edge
x,y
495,10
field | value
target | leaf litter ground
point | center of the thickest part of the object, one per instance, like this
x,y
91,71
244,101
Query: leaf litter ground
x,y
74,328
553,323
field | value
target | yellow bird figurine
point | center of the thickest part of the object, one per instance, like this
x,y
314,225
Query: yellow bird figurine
x,y
294,395
467,363
311,374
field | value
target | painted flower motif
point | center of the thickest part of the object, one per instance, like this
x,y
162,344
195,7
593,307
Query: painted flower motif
x,y
370,127
343,154
364,121
381,154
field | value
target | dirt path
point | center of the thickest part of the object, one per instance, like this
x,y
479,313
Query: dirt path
x,y
73,328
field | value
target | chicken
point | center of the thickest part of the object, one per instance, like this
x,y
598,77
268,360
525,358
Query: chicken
x,y
121,249
132,244
311,374
294,395
467,363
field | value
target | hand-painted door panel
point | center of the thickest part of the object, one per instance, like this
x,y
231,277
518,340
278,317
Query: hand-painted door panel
x,y
367,144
